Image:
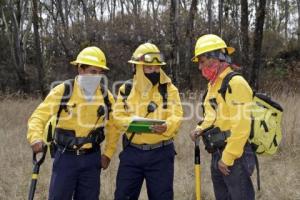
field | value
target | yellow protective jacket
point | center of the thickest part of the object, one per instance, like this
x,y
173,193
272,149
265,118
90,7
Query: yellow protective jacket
x,y
233,115
142,93
81,116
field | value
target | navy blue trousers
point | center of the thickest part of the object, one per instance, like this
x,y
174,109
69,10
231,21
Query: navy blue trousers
x,y
155,166
237,185
75,177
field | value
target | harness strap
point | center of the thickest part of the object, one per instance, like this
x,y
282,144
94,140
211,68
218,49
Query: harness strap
x,y
65,97
225,84
163,89
107,103
126,93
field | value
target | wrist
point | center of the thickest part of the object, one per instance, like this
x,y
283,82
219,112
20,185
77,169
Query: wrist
x,y
36,141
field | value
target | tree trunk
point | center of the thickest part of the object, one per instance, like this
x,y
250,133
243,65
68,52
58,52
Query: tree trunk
x,y
209,5
188,42
14,32
85,12
298,33
245,38
257,43
113,9
38,52
64,34
174,57
122,7
286,12
67,11
221,2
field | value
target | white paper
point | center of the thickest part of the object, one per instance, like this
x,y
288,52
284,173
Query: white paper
x,y
142,119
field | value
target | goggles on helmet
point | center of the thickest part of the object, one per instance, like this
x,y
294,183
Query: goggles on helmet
x,y
151,58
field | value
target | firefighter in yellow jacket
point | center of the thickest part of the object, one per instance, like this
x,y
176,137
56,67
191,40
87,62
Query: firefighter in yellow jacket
x,y
81,120
148,156
227,120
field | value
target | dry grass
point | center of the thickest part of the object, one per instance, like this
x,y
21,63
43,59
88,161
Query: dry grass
x,y
280,174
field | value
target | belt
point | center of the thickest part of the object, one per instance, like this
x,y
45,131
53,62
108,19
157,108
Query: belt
x,y
77,152
67,138
148,147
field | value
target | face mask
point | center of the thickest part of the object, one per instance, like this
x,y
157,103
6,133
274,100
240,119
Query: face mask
x,y
153,77
210,72
89,84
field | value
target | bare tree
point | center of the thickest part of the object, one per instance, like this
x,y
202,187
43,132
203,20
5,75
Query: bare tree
x,y
221,4
286,11
122,7
174,54
209,11
38,52
298,32
189,40
61,25
257,43
16,30
85,10
245,38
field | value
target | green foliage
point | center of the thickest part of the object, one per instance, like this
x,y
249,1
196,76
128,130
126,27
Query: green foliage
x,y
280,71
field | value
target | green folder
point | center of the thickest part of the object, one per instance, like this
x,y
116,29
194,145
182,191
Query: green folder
x,y
142,125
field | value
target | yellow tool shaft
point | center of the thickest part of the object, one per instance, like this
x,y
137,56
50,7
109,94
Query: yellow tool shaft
x,y
197,181
34,176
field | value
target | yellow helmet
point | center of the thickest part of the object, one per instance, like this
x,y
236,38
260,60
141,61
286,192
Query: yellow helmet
x,y
91,56
147,54
210,42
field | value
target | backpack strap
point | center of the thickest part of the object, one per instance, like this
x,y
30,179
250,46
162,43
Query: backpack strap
x,y
69,84
163,90
225,84
107,103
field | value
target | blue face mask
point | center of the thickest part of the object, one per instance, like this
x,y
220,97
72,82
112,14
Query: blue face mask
x,y
153,77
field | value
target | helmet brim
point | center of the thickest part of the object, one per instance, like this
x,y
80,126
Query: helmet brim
x,y
230,50
143,63
100,66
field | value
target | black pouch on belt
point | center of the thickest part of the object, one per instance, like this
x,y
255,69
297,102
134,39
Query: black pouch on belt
x,y
64,137
214,139
97,136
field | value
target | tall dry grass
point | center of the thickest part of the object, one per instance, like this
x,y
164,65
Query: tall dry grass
x,y
280,174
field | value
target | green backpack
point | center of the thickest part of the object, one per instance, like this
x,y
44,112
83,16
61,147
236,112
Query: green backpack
x,y
266,133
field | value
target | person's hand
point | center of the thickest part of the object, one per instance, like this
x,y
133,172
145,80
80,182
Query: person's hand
x,y
37,147
104,161
195,133
159,129
223,168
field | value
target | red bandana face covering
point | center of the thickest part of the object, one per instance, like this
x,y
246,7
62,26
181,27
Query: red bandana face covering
x,y
210,72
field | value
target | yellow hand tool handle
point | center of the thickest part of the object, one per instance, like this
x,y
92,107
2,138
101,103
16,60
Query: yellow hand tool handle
x,y
197,170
